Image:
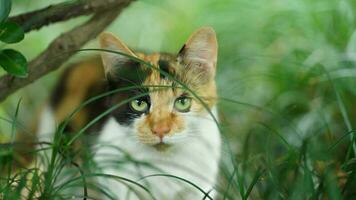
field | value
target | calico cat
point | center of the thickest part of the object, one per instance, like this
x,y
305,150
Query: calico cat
x,y
168,133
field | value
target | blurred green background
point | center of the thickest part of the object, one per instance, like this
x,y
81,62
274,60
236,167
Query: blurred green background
x,y
286,78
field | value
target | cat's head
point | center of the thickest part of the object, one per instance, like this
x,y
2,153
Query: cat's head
x,y
165,114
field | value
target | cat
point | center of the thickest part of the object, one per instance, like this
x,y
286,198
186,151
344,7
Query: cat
x,y
168,135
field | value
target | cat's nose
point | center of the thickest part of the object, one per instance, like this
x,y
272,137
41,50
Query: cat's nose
x,y
161,130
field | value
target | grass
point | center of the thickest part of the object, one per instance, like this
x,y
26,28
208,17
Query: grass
x,y
286,80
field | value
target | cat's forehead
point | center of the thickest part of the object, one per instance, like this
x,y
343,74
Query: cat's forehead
x,y
160,60
163,64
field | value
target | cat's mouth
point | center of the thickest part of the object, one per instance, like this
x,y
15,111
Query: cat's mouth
x,y
162,146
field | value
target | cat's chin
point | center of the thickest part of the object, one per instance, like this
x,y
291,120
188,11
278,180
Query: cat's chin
x,y
162,147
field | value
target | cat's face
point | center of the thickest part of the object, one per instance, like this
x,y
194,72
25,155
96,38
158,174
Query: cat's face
x,y
164,114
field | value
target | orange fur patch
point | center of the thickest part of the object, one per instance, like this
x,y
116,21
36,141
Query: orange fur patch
x,y
81,79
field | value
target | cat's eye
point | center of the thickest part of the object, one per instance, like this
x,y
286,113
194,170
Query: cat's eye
x,y
182,104
139,105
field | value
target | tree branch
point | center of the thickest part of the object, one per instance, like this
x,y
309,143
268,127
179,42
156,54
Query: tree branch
x,y
34,20
60,50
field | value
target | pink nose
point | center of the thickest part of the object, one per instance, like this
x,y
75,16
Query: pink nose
x,y
161,130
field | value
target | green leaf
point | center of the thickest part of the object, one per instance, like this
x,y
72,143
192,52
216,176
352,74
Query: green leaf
x,y
5,7
11,32
13,62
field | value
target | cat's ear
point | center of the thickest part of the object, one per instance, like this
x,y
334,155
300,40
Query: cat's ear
x,y
199,53
113,61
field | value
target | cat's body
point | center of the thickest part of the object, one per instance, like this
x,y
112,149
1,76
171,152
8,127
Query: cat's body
x,y
165,138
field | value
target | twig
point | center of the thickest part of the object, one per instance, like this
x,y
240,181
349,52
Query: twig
x,y
60,50
35,20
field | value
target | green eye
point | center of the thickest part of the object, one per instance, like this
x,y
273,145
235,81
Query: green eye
x,y
182,104
139,105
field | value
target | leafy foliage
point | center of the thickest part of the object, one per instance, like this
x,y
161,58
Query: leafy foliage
x,y
11,60
11,32
5,7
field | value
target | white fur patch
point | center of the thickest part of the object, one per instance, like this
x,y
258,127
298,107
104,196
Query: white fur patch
x,y
194,156
46,129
